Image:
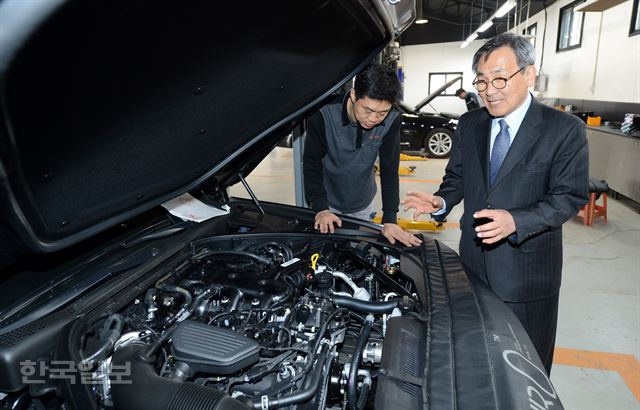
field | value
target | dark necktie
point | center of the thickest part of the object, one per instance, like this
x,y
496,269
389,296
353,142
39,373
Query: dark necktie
x,y
500,148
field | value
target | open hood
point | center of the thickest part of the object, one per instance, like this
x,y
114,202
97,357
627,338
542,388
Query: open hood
x,y
434,94
111,107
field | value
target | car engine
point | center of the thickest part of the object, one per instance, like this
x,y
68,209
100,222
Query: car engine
x,y
258,322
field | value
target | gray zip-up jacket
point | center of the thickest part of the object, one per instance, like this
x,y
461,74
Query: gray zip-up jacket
x,y
338,161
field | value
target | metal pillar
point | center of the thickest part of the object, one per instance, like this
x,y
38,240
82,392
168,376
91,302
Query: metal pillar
x,y
298,150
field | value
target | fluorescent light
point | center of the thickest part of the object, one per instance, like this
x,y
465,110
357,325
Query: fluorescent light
x,y
505,8
422,20
469,39
485,26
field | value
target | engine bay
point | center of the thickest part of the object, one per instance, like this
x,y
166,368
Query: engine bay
x,y
259,322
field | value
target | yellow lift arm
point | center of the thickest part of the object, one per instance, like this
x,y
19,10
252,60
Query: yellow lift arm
x,y
406,157
401,170
410,224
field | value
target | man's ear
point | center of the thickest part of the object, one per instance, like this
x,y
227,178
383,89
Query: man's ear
x,y
530,75
352,95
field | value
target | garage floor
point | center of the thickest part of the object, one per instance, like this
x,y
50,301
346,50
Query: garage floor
x,y
596,363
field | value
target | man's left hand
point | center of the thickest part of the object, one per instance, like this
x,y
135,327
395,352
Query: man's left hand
x,y
501,226
394,233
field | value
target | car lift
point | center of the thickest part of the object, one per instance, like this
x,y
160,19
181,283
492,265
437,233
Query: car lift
x,y
412,225
401,170
407,157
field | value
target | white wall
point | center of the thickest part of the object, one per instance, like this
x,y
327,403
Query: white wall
x,y
571,73
420,60
614,63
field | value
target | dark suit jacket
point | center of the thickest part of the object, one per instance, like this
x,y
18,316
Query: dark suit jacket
x,y
543,182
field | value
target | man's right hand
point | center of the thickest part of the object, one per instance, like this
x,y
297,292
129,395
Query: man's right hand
x,y
325,220
422,202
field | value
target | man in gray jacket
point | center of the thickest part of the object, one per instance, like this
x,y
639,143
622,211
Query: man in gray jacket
x,y
344,138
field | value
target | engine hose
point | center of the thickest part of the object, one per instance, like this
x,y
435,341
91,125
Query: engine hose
x,y
147,390
113,325
149,352
364,393
235,298
187,295
362,306
324,328
310,387
352,381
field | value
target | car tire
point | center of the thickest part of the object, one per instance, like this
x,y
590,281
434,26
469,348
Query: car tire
x,y
438,143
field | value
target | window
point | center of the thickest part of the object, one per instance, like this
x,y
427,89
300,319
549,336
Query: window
x,y
437,80
635,19
570,32
531,32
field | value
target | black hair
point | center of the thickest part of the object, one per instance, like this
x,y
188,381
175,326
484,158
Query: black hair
x,y
522,48
460,91
378,82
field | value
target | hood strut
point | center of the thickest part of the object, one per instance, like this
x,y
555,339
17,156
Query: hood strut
x,y
253,196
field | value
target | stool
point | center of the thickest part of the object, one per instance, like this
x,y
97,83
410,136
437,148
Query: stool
x,y
592,210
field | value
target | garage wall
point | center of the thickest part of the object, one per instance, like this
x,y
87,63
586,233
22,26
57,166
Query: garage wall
x,y
607,71
571,73
420,60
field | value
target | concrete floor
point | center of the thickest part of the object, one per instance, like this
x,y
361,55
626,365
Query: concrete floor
x,y
596,364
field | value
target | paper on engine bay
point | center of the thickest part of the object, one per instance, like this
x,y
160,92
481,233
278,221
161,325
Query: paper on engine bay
x,y
189,208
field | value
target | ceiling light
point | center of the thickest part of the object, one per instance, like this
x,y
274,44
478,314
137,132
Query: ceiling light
x,y
485,26
469,39
422,20
505,8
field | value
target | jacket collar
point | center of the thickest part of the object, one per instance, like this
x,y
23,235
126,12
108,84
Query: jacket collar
x,y
345,114
529,131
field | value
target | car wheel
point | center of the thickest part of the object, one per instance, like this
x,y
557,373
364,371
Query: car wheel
x,y
438,142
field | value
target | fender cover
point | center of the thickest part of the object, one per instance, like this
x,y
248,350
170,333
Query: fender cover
x,y
471,352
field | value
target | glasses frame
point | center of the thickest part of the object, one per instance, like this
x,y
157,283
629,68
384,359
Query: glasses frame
x,y
476,83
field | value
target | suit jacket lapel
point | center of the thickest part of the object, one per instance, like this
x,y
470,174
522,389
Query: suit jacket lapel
x,y
482,137
528,133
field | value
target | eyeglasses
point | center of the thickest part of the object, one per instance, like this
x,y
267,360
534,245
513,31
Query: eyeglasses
x,y
498,82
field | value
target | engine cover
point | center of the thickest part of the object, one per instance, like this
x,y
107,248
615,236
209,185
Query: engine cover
x,y
212,349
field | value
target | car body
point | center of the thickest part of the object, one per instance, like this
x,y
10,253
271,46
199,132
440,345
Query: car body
x,y
116,117
430,133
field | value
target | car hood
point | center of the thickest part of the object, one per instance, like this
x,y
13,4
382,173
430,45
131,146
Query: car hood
x,y
434,94
110,108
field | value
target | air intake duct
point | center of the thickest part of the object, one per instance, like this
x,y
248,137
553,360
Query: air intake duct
x,y
149,391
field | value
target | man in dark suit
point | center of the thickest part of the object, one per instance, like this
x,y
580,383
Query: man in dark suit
x,y
522,170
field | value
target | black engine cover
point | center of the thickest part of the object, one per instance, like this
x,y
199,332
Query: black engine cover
x,y
212,349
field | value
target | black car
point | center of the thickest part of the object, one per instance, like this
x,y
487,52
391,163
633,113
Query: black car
x,y
431,134
131,280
